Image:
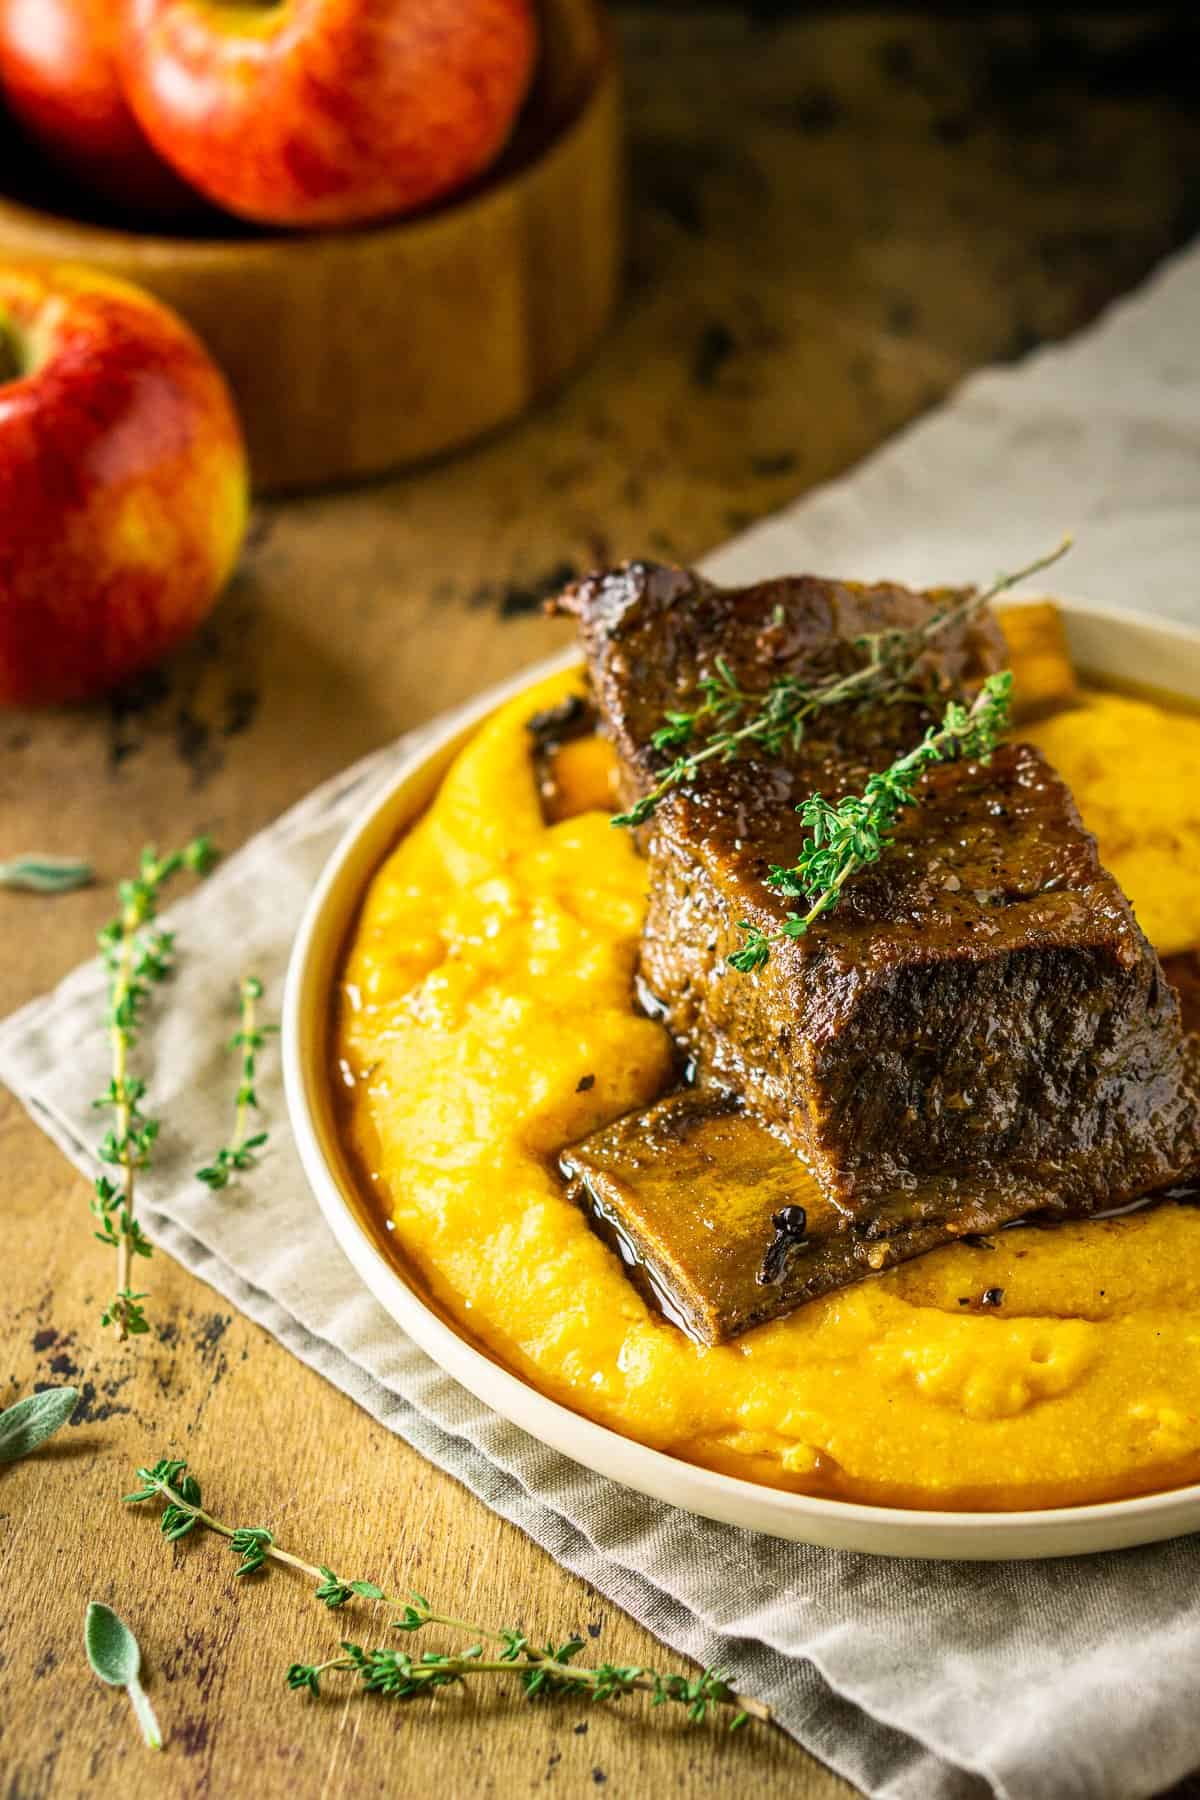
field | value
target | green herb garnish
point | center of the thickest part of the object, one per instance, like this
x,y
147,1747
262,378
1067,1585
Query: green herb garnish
x,y
242,1151
112,1651
540,1669
137,959
729,720
29,1422
849,836
45,874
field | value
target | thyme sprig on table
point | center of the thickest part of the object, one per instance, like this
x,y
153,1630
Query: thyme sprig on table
x,y
728,720
849,836
241,1152
137,958
541,1670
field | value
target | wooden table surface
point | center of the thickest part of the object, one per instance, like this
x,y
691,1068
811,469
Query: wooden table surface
x,y
833,220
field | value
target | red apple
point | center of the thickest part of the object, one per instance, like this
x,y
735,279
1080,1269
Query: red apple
x,y
122,482
327,112
58,70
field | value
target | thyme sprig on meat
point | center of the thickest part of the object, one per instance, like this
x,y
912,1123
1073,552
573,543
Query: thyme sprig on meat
x,y
137,958
847,837
728,720
541,1670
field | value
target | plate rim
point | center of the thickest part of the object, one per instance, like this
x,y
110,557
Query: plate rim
x,y
832,1523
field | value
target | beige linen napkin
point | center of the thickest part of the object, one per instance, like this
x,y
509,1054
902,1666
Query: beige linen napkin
x,y
1071,1680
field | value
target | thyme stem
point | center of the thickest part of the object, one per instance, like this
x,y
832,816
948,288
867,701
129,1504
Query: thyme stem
x,y
437,1670
119,1040
847,837
541,1669
782,711
249,991
242,1151
136,959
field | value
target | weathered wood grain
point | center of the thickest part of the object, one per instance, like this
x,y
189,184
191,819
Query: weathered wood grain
x,y
834,219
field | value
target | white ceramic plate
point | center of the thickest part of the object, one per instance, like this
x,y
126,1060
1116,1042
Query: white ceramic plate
x,y
1161,656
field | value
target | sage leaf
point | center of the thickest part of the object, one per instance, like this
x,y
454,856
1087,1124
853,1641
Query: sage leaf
x,y
45,874
31,1421
112,1651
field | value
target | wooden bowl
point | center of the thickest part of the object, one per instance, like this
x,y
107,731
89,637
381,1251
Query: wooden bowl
x,y
354,352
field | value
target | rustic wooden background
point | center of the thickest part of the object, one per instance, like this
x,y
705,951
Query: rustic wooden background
x,y
833,219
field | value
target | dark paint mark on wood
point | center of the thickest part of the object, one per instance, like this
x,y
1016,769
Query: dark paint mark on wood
x,y
902,316
1057,251
179,698
241,709
901,66
669,176
190,1736
1023,338
208,1334
773,462
259,530
128,709
714,349
952,128
194,1661
814,112
515,599
95,1405
194,746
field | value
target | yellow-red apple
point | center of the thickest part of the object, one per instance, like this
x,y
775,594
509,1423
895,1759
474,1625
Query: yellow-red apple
x,y
327,112
58,71
123,485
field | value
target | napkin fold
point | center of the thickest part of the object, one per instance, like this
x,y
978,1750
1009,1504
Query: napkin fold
x,y
1067,1680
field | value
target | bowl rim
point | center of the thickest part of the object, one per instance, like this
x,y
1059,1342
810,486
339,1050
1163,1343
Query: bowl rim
x,y
834,1523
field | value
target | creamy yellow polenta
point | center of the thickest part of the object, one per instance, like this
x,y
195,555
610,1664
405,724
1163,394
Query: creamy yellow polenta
x,y
490,973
